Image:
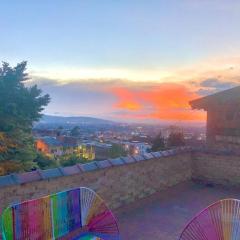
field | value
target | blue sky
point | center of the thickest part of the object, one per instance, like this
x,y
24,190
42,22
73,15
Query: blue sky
x,y
134,41
117,33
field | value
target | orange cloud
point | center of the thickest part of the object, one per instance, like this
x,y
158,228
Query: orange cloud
x,y
126,99
163,101
187,115
165,96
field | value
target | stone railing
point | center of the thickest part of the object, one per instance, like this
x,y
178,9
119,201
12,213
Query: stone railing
x,y
48,174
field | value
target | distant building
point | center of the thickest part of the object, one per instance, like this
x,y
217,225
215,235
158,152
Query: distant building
x,y
49,146
102,150
223,117
87,151
134,147
62,145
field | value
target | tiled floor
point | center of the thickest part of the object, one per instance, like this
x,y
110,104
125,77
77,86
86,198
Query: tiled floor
x,y
163,215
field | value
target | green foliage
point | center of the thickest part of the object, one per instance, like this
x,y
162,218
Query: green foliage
x,y
5,144
7,167
59,130
70,160
45,162
75,131
158,143
176,139
117,151
20,107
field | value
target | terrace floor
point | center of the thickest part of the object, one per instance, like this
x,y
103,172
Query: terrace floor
x,y
163,215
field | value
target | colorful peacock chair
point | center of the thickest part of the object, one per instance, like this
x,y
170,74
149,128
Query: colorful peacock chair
x,y
74,214
220,221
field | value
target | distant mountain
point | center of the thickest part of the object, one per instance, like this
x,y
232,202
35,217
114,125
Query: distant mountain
x,y
48,119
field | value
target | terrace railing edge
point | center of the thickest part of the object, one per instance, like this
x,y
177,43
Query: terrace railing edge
x,y
38,175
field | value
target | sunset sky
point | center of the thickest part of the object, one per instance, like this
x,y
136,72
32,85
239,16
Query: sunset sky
x,y
138,60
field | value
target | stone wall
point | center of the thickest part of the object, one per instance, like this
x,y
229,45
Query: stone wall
x,y
216,167
118,181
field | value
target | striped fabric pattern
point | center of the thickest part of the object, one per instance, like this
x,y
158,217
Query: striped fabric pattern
x,y
220,221
74,214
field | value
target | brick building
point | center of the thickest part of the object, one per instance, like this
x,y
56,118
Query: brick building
x,y
223,117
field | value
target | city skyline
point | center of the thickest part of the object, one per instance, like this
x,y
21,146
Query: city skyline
x,y
136,61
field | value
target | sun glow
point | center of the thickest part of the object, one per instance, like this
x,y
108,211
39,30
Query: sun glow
x,y
64,74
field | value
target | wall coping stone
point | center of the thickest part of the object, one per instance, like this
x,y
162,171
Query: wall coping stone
x,y
128,159
116,161
103,164
51,173
171,152
157,154
167,153
88,167
70,170
148,156
7,180
139,157
175,150
28,177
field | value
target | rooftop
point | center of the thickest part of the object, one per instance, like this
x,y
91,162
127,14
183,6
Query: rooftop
x,y
164,214
51,141
228,96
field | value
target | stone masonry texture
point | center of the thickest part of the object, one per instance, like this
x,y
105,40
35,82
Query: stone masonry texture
x,y
220,169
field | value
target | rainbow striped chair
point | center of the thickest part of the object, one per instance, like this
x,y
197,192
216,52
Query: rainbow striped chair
x,y
74,214
220,221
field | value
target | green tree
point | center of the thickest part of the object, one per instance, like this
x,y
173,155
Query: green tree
x,y
20,107
176,139
59,130
158,143
117,151
45,162
75,131
70,160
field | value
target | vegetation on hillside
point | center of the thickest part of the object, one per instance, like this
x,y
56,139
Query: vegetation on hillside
x,y
75,131
20,107
158,143
117,151
45,162
72,159
175,139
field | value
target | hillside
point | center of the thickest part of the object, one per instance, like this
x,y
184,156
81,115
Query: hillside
x,y
49,119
